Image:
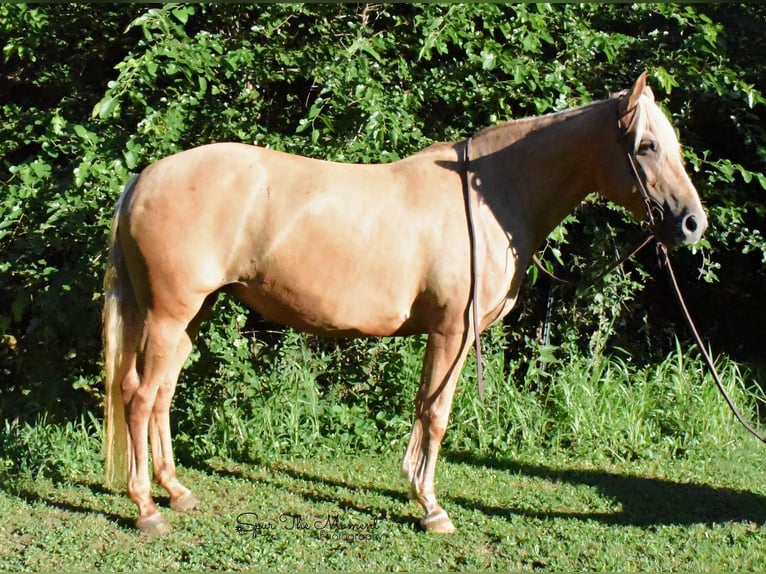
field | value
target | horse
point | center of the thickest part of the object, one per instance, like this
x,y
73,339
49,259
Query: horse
x,y
352,250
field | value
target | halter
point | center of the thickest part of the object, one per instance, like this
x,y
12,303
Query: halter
x,y
655,214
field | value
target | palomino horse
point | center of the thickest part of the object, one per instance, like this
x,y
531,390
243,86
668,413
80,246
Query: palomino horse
x,y
358,250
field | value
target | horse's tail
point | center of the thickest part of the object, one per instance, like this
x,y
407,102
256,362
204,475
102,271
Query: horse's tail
x,y
120,321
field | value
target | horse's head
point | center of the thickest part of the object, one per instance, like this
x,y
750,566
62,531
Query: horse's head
x,y
652,147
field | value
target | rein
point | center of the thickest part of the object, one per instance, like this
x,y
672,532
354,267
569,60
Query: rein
x,y
663,257
600,276
474,269
652,208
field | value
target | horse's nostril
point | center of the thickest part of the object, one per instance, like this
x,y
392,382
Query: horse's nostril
x,y
690,223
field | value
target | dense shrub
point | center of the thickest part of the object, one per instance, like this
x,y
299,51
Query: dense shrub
x,y
91,94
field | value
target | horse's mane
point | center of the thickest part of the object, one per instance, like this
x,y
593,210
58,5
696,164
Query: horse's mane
x,y
522,126
531,123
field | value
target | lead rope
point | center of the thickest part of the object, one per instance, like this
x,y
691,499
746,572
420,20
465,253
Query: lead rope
x,y
474,266
662,254
664,260
591,283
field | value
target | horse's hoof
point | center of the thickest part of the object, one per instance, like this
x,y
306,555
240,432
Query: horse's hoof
x,y
185,503
153,525
438,523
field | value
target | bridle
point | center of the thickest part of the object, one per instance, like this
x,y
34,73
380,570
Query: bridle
x,y
655,214
655,211
653,207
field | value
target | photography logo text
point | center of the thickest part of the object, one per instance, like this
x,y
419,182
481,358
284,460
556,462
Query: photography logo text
x,y
327,527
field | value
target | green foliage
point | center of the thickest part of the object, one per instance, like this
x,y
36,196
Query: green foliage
x,y
59,452
91,94
293,393
304,396
598,406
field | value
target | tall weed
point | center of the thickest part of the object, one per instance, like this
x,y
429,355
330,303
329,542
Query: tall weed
x,y
302,394
603,406
62,451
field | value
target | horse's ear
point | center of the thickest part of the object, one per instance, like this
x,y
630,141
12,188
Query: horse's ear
x,y
629,100
647,91
639,89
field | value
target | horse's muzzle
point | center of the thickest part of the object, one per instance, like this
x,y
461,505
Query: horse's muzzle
x,y
686,228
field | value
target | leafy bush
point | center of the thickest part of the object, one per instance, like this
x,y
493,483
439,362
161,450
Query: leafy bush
x,y
89,95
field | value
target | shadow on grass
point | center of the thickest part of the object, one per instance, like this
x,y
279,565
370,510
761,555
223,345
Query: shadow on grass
x,y
644,501
50,500
321,489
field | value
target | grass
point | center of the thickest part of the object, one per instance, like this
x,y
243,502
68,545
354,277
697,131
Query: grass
x,y
306,396
594,463
698,513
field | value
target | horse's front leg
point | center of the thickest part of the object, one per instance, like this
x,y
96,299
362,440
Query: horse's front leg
x,y
442,364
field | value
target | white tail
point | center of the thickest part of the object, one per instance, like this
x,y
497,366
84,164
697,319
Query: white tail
x,y
120,337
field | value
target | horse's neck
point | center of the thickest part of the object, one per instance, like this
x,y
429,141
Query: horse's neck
x,y
544,167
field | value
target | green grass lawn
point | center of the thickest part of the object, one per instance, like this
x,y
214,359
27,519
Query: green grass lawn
x,y
702,512
616,467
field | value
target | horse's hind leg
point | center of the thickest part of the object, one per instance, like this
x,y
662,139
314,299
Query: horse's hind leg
x,y
442,363
163,336
181,498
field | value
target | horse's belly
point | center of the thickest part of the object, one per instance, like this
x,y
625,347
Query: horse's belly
x,y
334,312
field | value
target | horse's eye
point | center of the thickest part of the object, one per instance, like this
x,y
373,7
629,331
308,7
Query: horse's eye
x,y
646,146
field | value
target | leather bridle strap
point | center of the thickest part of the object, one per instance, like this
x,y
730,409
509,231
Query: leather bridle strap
x,y
465,174
664,261
662,254
652,205
582,290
